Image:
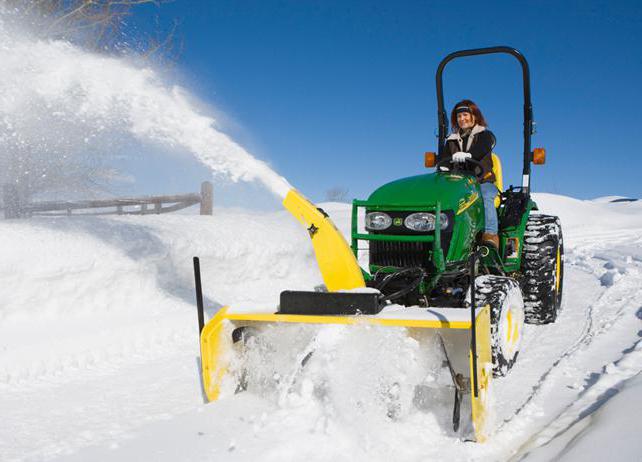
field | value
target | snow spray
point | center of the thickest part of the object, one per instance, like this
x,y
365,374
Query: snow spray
x,y
49,83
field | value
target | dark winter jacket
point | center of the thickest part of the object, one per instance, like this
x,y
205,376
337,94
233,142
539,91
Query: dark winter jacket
x,y
479,142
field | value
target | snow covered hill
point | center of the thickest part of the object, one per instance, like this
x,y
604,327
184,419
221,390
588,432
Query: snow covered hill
x,y
98,346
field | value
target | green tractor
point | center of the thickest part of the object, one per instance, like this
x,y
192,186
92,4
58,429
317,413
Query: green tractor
x,y
424,239
425,256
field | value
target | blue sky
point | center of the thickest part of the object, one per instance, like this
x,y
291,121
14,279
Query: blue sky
x,y
342,93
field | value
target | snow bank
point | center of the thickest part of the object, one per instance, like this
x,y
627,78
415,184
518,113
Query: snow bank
x,y
588,217
94,276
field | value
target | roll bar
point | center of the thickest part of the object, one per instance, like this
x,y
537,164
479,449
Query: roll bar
x,y
528,108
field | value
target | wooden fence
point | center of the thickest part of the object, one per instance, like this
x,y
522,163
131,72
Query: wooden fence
x,y
143,205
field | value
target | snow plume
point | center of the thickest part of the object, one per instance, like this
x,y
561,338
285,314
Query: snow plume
x,y
59,100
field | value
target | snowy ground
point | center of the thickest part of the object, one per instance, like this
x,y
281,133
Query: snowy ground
x,y
98,347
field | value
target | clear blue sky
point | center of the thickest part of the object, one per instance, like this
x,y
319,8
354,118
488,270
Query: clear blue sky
x,y
341,93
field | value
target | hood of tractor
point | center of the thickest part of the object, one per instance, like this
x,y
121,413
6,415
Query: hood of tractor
x,y
453,191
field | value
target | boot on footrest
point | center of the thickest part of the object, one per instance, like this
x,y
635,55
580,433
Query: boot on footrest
x,y
490,239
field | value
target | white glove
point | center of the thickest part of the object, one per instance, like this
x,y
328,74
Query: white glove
x,y
461,156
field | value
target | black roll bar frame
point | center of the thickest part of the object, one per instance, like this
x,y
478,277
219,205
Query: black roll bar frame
x,y
442,117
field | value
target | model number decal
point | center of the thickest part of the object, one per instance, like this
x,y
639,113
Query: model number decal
x,y
464,204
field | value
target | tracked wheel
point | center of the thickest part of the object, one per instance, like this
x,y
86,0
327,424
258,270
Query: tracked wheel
x,y
504,296
542,268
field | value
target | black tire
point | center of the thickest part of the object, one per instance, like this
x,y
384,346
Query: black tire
x,y
542,269
504,295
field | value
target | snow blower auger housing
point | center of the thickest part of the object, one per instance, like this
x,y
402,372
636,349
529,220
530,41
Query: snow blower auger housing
x,y
428,274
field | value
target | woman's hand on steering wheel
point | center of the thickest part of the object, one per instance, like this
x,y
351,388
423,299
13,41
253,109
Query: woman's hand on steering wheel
x,y
457,166
461,156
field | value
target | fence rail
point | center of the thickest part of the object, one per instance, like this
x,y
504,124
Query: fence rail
x,y
120,206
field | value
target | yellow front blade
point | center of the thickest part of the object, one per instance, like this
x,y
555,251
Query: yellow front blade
x,y
216,342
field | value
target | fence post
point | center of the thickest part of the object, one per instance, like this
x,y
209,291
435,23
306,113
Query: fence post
x,y
207,198
11,199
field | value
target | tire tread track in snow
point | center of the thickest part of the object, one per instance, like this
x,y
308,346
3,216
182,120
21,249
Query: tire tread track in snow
x,y
614,302
612,378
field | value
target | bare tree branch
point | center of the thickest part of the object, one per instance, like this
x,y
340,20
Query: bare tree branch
x,y
96,24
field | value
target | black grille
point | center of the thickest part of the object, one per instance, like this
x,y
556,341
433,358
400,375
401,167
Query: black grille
x,y
400,254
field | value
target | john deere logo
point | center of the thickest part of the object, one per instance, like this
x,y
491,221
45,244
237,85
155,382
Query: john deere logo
x,y
397,222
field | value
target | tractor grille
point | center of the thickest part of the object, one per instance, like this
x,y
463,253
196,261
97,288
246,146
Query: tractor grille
x,y
400,254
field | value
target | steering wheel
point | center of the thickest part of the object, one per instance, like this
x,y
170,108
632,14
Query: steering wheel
x,y
457,167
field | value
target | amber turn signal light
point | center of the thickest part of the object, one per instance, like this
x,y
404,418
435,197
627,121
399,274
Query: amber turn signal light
x,y
539,156
430,159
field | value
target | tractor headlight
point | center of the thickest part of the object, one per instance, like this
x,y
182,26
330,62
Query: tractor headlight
x,y
376,221
420,221
443,221
424,221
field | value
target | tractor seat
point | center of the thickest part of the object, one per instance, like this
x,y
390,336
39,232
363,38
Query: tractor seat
x,y
499,181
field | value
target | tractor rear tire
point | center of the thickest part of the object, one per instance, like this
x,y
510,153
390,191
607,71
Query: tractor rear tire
x,y
542,268
504,296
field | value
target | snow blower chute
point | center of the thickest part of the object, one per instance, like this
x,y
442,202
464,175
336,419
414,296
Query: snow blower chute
x,y
428,274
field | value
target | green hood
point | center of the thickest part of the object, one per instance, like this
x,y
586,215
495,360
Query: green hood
x,y
451,190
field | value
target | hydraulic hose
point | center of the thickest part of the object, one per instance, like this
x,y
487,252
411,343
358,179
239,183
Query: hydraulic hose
x,y
418,275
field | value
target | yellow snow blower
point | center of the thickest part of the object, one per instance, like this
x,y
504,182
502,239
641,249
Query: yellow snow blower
x,y
429,277
344,304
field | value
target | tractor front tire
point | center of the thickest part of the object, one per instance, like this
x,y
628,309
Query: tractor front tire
x,y
504,296
542,268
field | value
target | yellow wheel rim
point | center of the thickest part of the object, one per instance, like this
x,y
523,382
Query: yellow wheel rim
x,y
558,270
512,331
509,326
515,332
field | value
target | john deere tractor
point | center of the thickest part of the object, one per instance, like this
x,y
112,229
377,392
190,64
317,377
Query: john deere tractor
x,y
424,238
428,274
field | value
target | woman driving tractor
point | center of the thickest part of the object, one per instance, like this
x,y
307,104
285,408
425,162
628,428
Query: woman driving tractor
x,y
471,140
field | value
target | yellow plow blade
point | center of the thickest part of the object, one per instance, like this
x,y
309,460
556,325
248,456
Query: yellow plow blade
x,y
217,343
